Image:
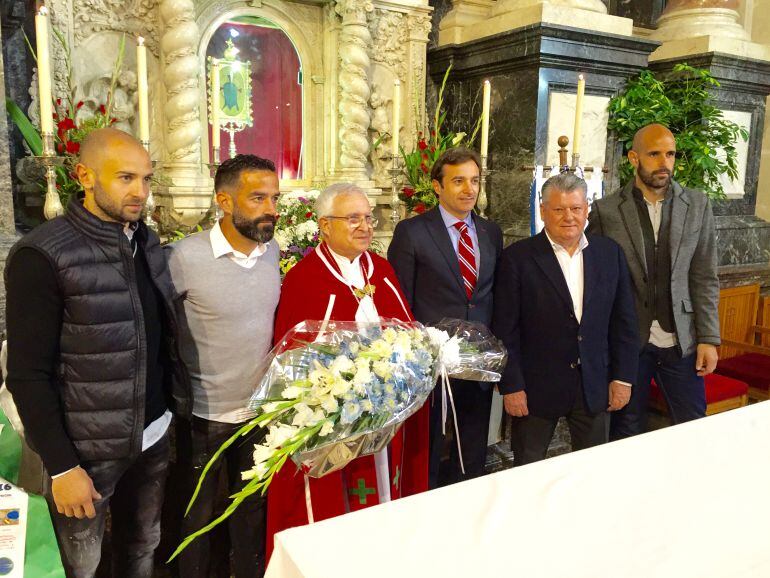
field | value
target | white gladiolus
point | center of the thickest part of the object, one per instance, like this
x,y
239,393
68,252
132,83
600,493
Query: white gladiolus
x,y
327,428
258,471
279,434
262,454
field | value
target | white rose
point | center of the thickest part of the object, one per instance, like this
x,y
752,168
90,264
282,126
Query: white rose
x,y
437,336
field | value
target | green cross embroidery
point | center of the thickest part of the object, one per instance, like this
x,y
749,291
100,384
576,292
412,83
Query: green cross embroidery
x,y
397,477
362,491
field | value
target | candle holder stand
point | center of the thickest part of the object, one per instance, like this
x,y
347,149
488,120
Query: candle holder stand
x,y
395,171
482,202
52,207
149,205
215,211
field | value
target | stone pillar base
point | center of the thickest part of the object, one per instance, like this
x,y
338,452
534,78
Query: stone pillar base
x,y
464,22
676,49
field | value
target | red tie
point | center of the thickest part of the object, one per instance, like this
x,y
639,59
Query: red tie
x,y
467,258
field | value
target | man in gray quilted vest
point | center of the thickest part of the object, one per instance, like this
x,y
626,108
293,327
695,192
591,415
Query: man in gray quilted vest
x,y
228,283
88,298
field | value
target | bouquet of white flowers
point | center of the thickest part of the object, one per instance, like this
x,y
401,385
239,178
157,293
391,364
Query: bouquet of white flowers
x,y
296,231
344,388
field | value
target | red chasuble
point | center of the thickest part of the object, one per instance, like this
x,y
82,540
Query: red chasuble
x,y
311,291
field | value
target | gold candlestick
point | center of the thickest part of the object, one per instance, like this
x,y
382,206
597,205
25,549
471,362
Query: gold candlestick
x,y
52,207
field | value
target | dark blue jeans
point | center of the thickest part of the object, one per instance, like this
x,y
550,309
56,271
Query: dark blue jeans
x,y
682,388
133,492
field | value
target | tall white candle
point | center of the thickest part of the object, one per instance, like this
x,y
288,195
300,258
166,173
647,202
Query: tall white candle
x,y
396,115
141,75
44,71
485,118
215,130
581,88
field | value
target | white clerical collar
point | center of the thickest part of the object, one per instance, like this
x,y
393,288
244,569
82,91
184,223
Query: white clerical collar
x,y
557,247
350,269
221,246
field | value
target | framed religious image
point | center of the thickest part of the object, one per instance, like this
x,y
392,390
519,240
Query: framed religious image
x,y
234,92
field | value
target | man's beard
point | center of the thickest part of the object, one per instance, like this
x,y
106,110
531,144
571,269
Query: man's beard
x,y
658,180
111,208
260,229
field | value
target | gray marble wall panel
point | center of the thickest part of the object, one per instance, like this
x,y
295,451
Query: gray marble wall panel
x,y
525,65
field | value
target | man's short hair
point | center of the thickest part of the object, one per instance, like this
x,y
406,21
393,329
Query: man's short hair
x,y
454,156
325,200
229,172
565,182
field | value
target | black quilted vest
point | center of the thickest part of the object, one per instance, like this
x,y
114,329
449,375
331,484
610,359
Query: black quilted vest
x,y
102,363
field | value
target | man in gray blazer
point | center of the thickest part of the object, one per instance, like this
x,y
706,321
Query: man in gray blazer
x,y
667,233
445,261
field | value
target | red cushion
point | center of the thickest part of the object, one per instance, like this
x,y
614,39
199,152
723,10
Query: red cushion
x,y
718,388
753,368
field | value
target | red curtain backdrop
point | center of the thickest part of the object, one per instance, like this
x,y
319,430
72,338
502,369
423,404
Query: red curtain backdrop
x,y
276,96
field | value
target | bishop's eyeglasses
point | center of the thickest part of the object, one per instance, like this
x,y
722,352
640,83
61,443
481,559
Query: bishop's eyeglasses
x,y
355,221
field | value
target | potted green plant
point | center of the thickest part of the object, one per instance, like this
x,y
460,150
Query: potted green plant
x,y
680,99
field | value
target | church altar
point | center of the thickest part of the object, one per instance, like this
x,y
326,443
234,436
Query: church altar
x,y
679,502
323,85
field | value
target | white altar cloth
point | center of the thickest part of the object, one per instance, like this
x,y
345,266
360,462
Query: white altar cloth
x,y
686,501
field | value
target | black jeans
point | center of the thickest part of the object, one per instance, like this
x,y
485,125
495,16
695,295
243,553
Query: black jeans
x,y
197,441
133,492
531,435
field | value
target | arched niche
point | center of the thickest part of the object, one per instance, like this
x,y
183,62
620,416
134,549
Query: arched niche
x,y
288,136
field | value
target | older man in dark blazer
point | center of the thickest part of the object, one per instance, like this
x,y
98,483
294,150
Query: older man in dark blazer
x,y
565,311
667,232
445,260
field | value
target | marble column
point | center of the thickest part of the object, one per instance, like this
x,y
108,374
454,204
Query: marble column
x,y
473,19
689,27
354,91
7,226
186,196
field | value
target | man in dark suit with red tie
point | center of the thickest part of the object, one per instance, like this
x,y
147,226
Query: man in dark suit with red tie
x,y
565,311
445,260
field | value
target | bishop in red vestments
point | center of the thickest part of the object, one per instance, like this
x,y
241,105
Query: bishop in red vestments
x,y
342,281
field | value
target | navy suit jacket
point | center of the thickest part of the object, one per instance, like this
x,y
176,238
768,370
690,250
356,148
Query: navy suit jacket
x,y
428,270
547,347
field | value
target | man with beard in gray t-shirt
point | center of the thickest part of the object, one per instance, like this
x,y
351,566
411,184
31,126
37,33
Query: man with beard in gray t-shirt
x,y
228,283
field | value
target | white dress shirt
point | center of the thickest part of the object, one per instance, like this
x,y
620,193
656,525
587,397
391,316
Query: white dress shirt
x,y
659,337
221,246
351,271
572,269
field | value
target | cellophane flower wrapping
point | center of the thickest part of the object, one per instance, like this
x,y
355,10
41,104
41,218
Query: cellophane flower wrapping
x,y
471,351
355,383
344,388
